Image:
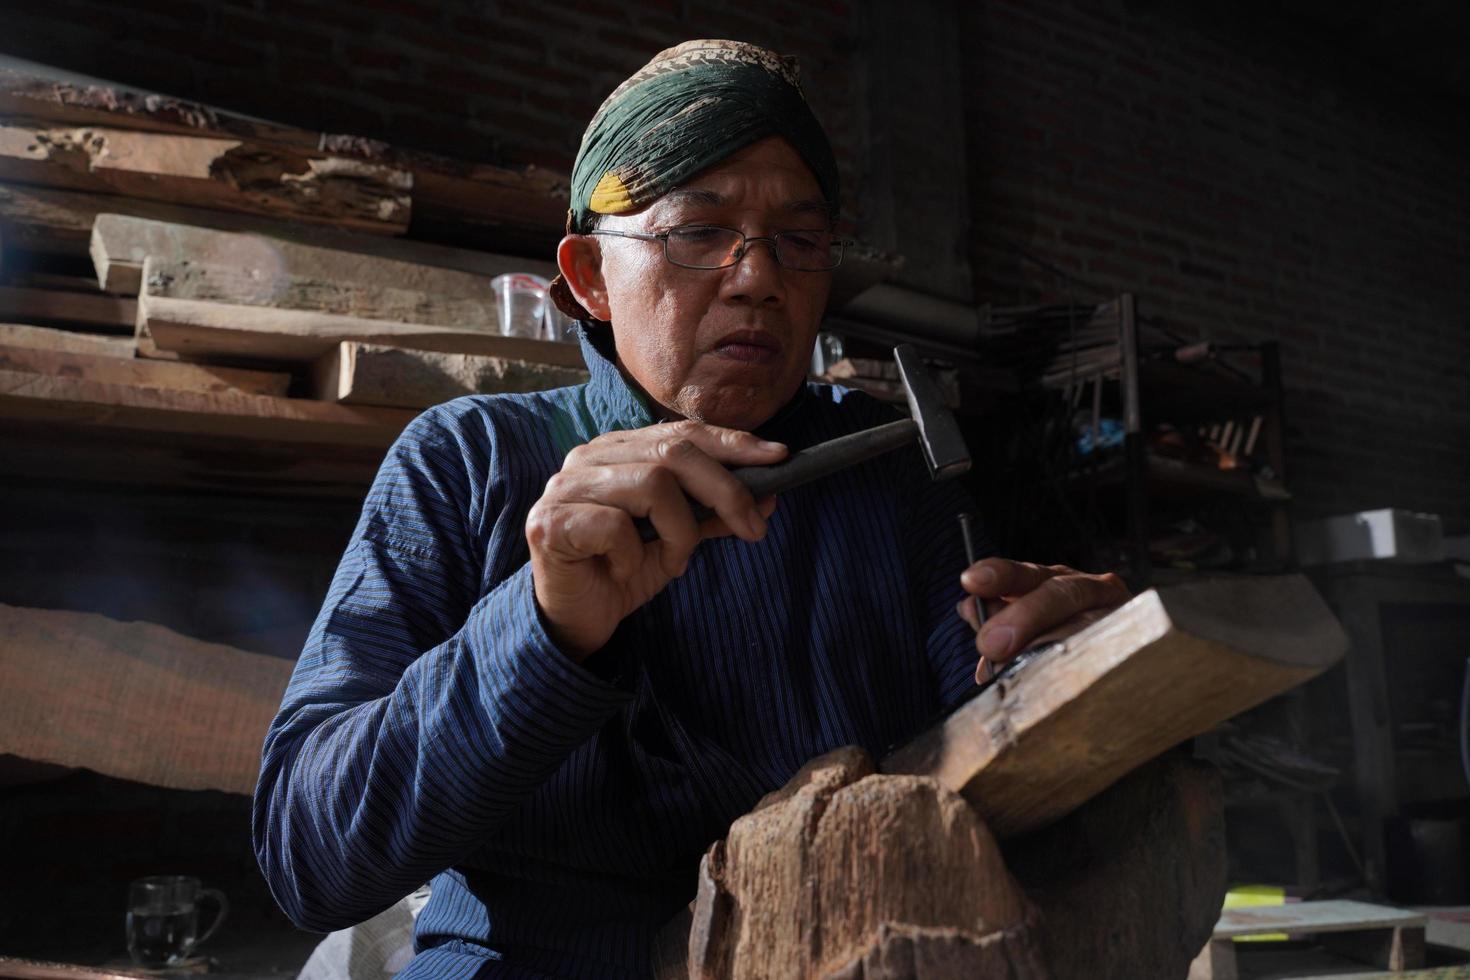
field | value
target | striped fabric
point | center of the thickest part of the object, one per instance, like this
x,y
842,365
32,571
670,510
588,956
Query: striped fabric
x,y
432,730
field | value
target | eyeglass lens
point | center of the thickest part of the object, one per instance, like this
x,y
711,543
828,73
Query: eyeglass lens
x,y
703,247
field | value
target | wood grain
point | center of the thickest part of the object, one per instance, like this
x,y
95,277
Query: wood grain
x,y
1064,727
120,243
87,691
210,172
139,373
370,374
245,329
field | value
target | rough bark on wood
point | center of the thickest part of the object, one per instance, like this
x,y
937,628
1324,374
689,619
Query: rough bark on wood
x,y
1064,726
120,243
846,873
210,172
369,374
87,691
1131,883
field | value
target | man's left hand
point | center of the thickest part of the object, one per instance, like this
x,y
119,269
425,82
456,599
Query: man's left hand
x,y
1029,603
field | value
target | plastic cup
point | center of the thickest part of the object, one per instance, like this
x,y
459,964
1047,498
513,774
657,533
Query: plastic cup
x,y
522,299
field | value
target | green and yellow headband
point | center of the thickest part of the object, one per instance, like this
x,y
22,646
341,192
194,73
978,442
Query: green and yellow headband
x,y
686,110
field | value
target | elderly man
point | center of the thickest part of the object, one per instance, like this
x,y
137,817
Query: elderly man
x,y
509,691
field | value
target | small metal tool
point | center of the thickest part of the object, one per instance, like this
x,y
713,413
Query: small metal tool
x,y
967,531
931,423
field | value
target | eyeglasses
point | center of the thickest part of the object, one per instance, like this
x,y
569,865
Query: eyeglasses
x,y
711,247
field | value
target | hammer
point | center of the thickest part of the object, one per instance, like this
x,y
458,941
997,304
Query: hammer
x,y
931,423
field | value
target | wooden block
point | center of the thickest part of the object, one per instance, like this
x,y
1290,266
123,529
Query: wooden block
x,y
1062,727
134,700
370,374
65,341
259,280
1399,948
120,243
209,171
1215,962
14,968
226,414
1314,918
210,327
57,306
140,373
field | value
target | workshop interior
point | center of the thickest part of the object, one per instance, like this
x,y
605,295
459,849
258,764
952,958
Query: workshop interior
x,y
1172,291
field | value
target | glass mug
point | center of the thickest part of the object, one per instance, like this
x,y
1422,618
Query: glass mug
x,y
163,918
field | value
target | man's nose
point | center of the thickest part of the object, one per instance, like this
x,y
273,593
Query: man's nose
x,y
756,275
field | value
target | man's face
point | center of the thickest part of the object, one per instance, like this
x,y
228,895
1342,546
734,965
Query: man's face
x,y
726,346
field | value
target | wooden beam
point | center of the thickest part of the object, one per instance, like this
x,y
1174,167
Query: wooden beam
x,y
134,700
68,451
1169,665
213,328
120,243
65,341
225,415
209,171
58,306
370,374
139,373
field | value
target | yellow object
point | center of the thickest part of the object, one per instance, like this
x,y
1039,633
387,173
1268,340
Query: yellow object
x,y
610,196
1254,896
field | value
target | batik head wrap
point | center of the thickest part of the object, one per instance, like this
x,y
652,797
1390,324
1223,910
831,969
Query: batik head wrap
x,y
692,106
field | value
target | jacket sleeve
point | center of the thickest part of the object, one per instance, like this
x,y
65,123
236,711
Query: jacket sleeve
x,y
421,712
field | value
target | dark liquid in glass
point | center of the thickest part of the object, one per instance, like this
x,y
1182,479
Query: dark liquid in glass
x,y
158,935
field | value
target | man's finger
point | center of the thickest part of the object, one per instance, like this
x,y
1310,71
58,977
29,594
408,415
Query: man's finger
x,y
1053,602
994,578
733,447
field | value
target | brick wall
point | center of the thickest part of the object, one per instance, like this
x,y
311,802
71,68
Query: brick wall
x,y
1248,184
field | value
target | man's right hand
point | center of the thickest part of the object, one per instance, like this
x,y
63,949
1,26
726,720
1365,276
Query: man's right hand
x,y
589,566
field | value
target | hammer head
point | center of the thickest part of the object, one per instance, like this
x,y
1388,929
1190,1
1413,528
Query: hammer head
x,y
944,447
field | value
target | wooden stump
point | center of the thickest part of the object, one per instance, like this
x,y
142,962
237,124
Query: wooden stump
x,y
847,874
1131,883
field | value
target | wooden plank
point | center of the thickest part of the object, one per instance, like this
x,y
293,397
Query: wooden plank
x,y
226,415
193,713
370,374
1396,949
14,968
1060,728
1313,918
259,281
215,329
209,171
54,453
53,222
120,243
57,306
140,373
65,341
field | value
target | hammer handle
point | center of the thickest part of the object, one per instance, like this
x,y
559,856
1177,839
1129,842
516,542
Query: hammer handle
x,y
806,465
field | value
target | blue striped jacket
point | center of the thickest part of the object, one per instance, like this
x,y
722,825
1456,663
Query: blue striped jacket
x,y
432,730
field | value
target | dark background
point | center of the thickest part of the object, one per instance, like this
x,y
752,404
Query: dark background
x,y
1289,171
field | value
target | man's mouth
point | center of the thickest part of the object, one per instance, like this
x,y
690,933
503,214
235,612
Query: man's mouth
x,y
751,346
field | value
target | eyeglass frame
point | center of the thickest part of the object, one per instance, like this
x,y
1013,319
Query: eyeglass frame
x,y
739,253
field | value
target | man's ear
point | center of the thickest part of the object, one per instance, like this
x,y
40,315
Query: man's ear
x,y
580,259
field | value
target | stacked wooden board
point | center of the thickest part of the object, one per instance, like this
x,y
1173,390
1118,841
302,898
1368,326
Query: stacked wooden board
x,y
257,287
